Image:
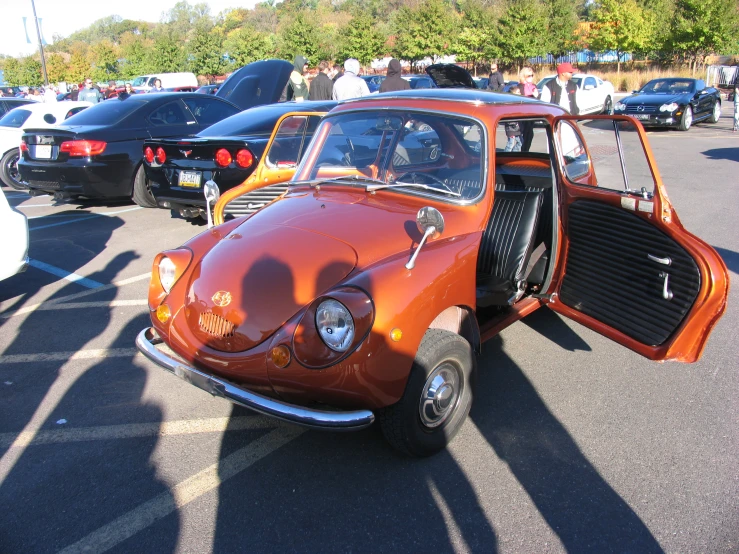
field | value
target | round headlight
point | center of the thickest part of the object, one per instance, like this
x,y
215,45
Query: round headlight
x,y
619,107
335,325
166,273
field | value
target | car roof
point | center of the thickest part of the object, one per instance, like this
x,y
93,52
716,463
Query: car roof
x,y
54,106
456,94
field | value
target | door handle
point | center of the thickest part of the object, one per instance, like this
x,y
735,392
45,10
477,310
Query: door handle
x,y
666,292
663,261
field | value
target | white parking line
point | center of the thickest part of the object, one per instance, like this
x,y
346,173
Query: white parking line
x,y
86,305
34,307
136,430
68,356
90,216
80,214
59,272
35,206
183,493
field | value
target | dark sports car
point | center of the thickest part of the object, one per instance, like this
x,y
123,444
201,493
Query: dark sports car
x,y
227,153
674,102
98,153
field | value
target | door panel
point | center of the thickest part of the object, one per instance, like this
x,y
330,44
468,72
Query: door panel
x,y
627,267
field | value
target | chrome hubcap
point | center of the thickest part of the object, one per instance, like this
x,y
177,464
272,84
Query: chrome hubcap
x,y
440,395
688,117
716,111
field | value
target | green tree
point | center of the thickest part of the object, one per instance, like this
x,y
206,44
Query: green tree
x,y
622,26
704,27
78,68
298,36
477,23
104,61
137,56
184,17
521,31
167,56
13,72
422,31
56,68
562,23
30,72
206,52
361,39
247,45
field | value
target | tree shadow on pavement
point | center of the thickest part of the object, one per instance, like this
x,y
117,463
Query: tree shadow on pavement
x,y
576,502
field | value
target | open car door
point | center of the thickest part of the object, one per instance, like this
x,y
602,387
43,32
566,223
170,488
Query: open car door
x,y
287,144
627,268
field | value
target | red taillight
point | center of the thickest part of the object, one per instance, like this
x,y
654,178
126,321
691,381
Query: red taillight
x,y
148,154
24,146
83,148
223,157
161,155
244,158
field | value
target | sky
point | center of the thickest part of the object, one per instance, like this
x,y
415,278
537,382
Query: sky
x,y
64,18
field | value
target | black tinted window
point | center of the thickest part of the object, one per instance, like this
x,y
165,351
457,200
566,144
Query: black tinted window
x,y
209,110
169,114
250,122
14,118
105,113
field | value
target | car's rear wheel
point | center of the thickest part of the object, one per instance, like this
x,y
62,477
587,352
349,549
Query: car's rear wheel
x,y
142,190
608,106
716,115
9,170
687,119
437,396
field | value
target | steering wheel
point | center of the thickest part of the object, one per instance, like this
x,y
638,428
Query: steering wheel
x,y
432,178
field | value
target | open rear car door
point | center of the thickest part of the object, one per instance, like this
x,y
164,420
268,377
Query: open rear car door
x,y
287,144
627,268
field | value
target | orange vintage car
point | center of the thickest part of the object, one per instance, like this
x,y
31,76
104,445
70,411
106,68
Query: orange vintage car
x,y
418,225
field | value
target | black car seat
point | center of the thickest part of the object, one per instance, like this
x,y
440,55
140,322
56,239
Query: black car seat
x,y
506,247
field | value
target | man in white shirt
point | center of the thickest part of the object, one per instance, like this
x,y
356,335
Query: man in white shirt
x,y
350,85
561,90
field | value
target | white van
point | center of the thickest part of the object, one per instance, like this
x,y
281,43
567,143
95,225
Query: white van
x,y
144,83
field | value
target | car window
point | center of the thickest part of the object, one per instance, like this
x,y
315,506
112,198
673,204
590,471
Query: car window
x,y
590,81
73,111
152,81
105,113
617,156
522,135
169,114
209,110
291,139
418,144
15,118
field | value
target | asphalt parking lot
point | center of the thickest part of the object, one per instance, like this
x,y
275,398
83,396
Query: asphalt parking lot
x,y
574,443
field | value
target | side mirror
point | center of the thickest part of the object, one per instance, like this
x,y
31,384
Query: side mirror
x,y
212,194
431,222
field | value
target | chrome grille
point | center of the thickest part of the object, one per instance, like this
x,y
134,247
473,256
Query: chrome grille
x,y
250,202
216,326
647,109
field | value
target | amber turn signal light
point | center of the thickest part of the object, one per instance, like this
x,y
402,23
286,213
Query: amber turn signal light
x,y
396,334
163,313
281,355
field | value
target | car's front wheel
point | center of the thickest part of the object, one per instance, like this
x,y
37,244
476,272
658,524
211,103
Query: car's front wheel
x,y
716,115
687,119
437,396
608,106
9,170
142,190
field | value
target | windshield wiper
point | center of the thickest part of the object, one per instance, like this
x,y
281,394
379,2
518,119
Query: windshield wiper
x,y
359,178
373,188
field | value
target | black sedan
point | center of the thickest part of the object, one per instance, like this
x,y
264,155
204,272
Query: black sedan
x,y
673,102
227,152
98,153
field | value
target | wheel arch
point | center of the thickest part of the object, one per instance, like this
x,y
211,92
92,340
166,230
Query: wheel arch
x,y
462,321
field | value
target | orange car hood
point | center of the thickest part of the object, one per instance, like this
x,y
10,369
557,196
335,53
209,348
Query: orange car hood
x,y
250,283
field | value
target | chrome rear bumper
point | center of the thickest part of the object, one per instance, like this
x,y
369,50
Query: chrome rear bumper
x,y
316,419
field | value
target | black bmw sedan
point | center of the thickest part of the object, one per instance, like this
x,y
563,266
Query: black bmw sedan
x,y
98,152
226,152
673,102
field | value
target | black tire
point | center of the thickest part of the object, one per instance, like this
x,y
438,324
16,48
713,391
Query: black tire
x,y
414,426
608,106
687,119
716,114
142,191
9,170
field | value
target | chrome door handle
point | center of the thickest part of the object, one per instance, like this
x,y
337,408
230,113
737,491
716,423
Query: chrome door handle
x,y
663,261
666,292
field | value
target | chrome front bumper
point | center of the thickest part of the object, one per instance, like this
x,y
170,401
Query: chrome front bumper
x,y
316,419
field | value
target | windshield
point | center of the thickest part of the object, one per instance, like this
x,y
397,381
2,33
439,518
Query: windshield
x,y
668,86
15,118
255,121
402,149
105,113
140,81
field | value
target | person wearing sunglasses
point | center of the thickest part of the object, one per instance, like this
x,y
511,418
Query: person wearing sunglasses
x,y
561,90
90,93
527,82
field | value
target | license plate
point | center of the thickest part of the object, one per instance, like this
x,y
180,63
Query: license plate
x,y
642,116
190,178
43,151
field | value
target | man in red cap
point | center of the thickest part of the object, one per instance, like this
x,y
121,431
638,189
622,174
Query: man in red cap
x,y
561,90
